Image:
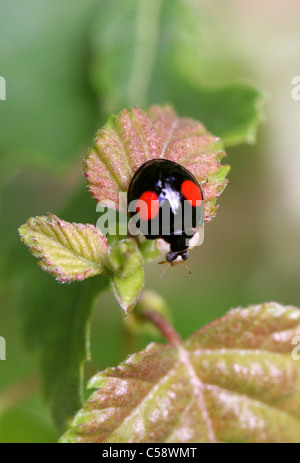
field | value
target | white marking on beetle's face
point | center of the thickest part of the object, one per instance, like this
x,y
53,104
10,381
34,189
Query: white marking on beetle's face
x,y
163,246
177,260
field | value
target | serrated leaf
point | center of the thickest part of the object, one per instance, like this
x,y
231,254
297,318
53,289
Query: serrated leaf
x,y
134,137
69,251
232,381
56,319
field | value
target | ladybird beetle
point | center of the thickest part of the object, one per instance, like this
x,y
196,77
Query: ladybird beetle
x,y
167,204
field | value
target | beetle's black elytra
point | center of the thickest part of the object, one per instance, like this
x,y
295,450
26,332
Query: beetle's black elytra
x,y
168,201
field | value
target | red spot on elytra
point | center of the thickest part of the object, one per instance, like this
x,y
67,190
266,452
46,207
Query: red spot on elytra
x,y
191,192
147,205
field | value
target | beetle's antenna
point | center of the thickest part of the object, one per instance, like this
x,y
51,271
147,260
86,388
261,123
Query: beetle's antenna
x,y
166,268
172,264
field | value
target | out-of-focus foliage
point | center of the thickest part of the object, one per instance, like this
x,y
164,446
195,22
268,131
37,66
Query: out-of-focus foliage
x,y
49,112
159,55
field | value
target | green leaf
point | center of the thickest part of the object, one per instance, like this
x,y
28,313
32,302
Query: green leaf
x,y
149,250
55,319
124,258
49,114
125,38
134,137
68,251
129,65
124,264
232,112
57,324
26,422
232,381
127,289
206,73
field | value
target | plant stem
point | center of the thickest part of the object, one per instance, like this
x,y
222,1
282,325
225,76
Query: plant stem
x,y
164,327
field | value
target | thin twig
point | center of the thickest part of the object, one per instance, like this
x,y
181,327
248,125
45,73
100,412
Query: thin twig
x,y
164,327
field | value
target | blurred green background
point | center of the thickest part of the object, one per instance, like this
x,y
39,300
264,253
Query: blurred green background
x,y
67,66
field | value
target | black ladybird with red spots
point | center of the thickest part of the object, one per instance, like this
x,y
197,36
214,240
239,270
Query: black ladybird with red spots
x,y
166,202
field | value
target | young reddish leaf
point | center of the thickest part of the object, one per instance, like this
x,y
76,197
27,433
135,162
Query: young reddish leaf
x,y
70,251
134,137
233,381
